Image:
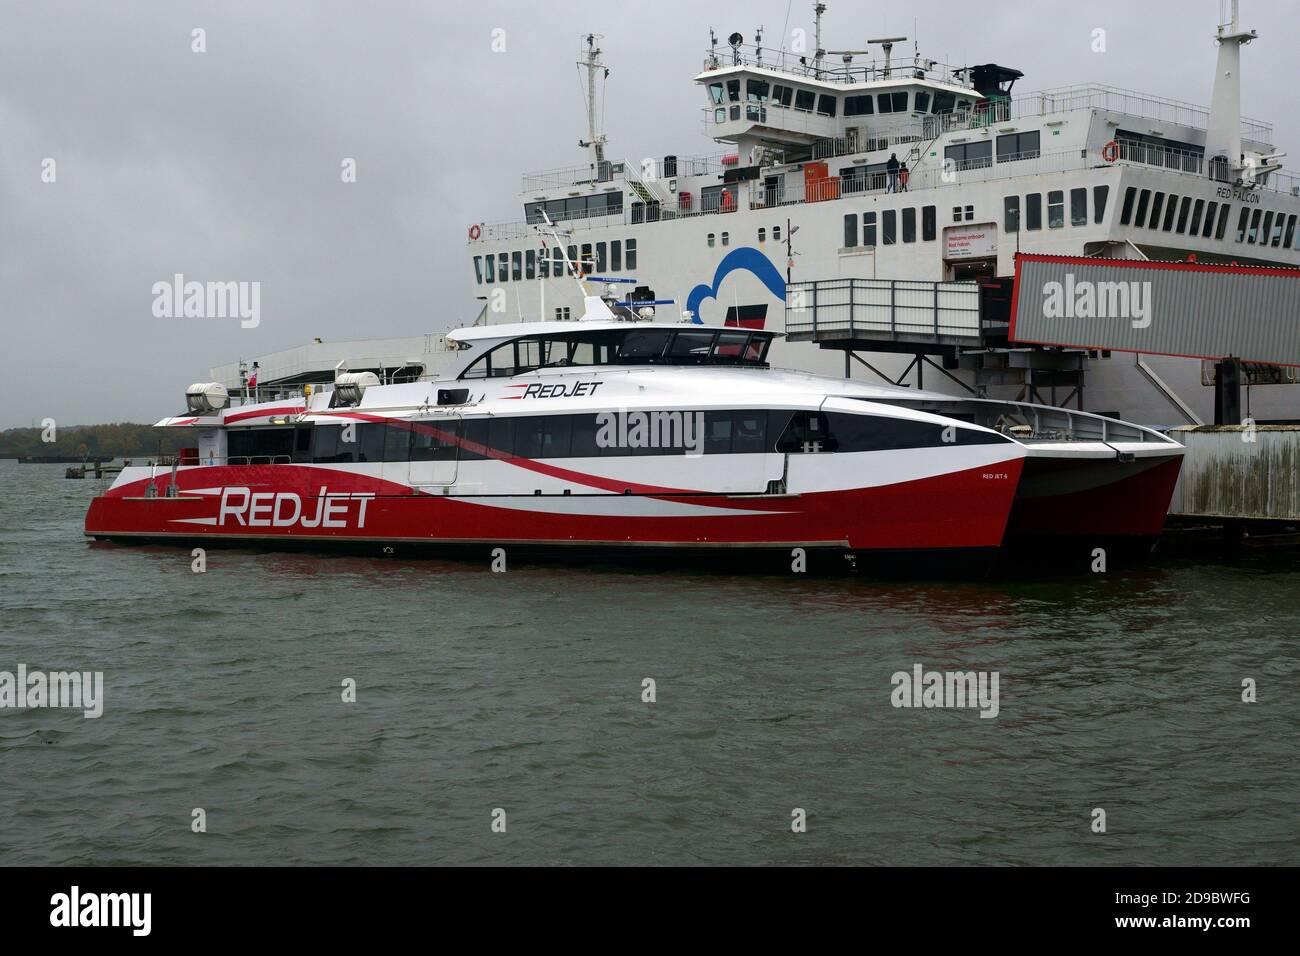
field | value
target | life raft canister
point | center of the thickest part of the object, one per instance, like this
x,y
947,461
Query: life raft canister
x,y
474,232
1110,152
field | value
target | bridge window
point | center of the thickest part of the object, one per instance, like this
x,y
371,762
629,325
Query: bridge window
x,y
892,102
1171,212
478,269
1252,237
715,93
909,224
889,226
516,266
850,231
858,105
1011,214
1100,194
922,102
530,264
489,269
733,90
804,99
929,223
1210,211
1034,212
1130,200
1078,207
1056,209
757,90
782,94
630,247
503,266
944,102
869,229
826,104
1157,207
1144,201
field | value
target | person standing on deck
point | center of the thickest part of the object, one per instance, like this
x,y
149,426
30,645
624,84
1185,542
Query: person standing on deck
x,y
903,176
891,168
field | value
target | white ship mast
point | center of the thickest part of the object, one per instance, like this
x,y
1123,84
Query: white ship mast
x,y
590,61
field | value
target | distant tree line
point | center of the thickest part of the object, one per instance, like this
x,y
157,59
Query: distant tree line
x,y
119,440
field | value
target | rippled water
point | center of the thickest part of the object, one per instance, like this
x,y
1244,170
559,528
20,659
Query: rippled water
x,y
522,691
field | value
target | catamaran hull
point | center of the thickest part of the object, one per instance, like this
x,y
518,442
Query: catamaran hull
x,y
300,506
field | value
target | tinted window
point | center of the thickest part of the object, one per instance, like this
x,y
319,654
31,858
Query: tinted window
x,y
328,446
434,441
645,346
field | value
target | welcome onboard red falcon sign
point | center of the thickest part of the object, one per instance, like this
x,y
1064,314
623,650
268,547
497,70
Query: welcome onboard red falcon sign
x,y
1185,309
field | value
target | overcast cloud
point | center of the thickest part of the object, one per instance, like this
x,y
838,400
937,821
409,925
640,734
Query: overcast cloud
x,y
225,165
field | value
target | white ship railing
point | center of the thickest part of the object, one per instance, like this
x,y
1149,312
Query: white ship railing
x,y
705,164
927,175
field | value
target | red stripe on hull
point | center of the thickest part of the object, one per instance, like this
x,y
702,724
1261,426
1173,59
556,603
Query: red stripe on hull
x,y
1134,503
960,510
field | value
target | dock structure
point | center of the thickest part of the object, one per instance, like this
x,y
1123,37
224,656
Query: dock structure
x,y
945,326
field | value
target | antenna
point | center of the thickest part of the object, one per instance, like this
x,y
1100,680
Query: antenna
x,y
818,10
758,45
591,63
888,44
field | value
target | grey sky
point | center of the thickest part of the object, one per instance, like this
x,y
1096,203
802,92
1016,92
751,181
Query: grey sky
x,y
226,165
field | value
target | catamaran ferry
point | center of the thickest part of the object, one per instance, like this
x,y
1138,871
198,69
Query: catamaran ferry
x,y
889,171
617,432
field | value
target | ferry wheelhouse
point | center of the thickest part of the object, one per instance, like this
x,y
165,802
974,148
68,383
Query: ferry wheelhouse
x,y
613,432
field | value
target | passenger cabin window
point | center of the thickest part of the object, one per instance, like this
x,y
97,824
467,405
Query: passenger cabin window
x,y
869,229
1013,147
1034,212
909,225
1011,214
889,226
850,231
1078,207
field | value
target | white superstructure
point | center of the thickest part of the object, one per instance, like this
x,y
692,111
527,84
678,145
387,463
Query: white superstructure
x,y
805,190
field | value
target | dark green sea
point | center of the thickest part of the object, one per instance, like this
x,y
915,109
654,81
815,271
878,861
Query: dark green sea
x,y
523,691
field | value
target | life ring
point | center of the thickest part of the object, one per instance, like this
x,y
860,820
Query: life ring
x,y
1110,152
474,232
